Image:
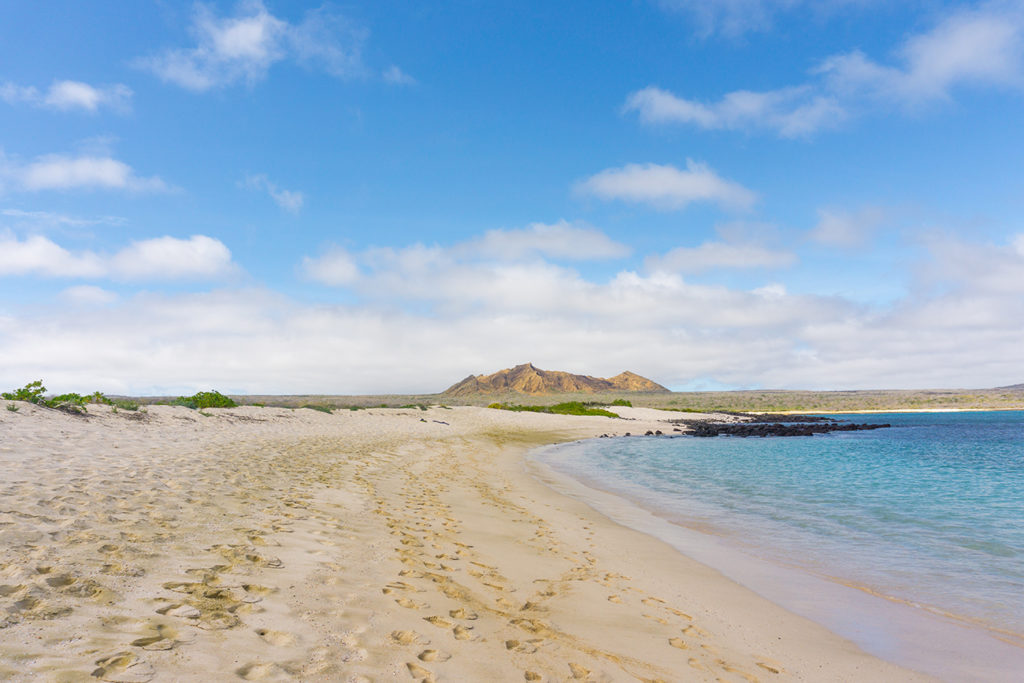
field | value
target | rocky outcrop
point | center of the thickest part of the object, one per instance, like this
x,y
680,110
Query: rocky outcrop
x,y
527,379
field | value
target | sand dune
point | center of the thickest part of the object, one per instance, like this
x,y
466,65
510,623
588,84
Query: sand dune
x,y
272,544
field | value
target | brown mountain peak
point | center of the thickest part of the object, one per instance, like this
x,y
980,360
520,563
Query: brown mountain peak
x,y
527,378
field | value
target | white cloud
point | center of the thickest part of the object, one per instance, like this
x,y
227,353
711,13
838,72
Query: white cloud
x,y
170,258
396,76
161,258
53,218
289,200
68,95
976,268
712,255
981,47
57,172
737,17
844,228
791,112
417,270
37,255
561,240
243,47
667,187
89,295
335,268
969,47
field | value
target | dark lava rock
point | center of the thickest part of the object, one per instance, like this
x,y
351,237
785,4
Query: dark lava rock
x,y
757,428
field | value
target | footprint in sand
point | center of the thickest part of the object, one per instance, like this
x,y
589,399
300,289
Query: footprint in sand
x,y
124,667
410,604
532,676
462,614
218,621
154,643
678,642
527,648
433,656
440,622
278,638
578,672
264,671
418,672
407,637
180,610
462,633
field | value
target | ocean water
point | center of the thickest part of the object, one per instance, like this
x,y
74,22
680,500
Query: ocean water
x,y
929,512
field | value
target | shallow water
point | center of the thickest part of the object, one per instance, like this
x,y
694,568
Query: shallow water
x,y
930,511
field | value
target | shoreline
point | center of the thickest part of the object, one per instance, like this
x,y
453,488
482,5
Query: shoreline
x,y
269,544
920,637
882,411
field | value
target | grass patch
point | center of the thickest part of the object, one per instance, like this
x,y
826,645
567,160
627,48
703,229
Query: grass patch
x,y
13,408
125,404
622,402
322,408
412,406
568,408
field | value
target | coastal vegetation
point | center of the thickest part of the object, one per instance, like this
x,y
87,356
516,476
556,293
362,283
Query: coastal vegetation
x,y
567,408
35,392
205,399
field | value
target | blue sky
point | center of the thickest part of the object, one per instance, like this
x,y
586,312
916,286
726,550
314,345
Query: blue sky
x,y
386,197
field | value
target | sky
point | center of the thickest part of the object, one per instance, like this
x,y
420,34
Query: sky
x,y
385,197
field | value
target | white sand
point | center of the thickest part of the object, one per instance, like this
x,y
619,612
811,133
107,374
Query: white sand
x,y
265,543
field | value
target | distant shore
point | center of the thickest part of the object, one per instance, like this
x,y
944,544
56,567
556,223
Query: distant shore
x,y
267,543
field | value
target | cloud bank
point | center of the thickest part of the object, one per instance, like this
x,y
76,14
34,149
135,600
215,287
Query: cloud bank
x,y
477,307
161,258
86,172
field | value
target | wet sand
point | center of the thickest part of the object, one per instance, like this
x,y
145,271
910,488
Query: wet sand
x,y
272,544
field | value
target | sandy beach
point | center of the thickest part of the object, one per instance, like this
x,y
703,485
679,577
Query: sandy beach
x,y
372,545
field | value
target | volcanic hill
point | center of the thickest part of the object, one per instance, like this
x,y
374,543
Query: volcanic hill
x,y
527,379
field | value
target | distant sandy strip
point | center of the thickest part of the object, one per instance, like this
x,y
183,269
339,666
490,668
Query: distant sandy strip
x,y
373,545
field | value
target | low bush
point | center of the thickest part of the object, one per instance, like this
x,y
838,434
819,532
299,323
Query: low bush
x,y
569,408
205,399
34,392
321,408
622,402
31,392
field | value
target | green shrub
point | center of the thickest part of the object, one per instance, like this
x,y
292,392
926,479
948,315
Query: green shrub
x,y
622,402
13,408
125,404
31,392
204,399
569,408
321,408
69,403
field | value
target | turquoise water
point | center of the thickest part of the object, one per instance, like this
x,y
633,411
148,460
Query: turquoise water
x,y
930,511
